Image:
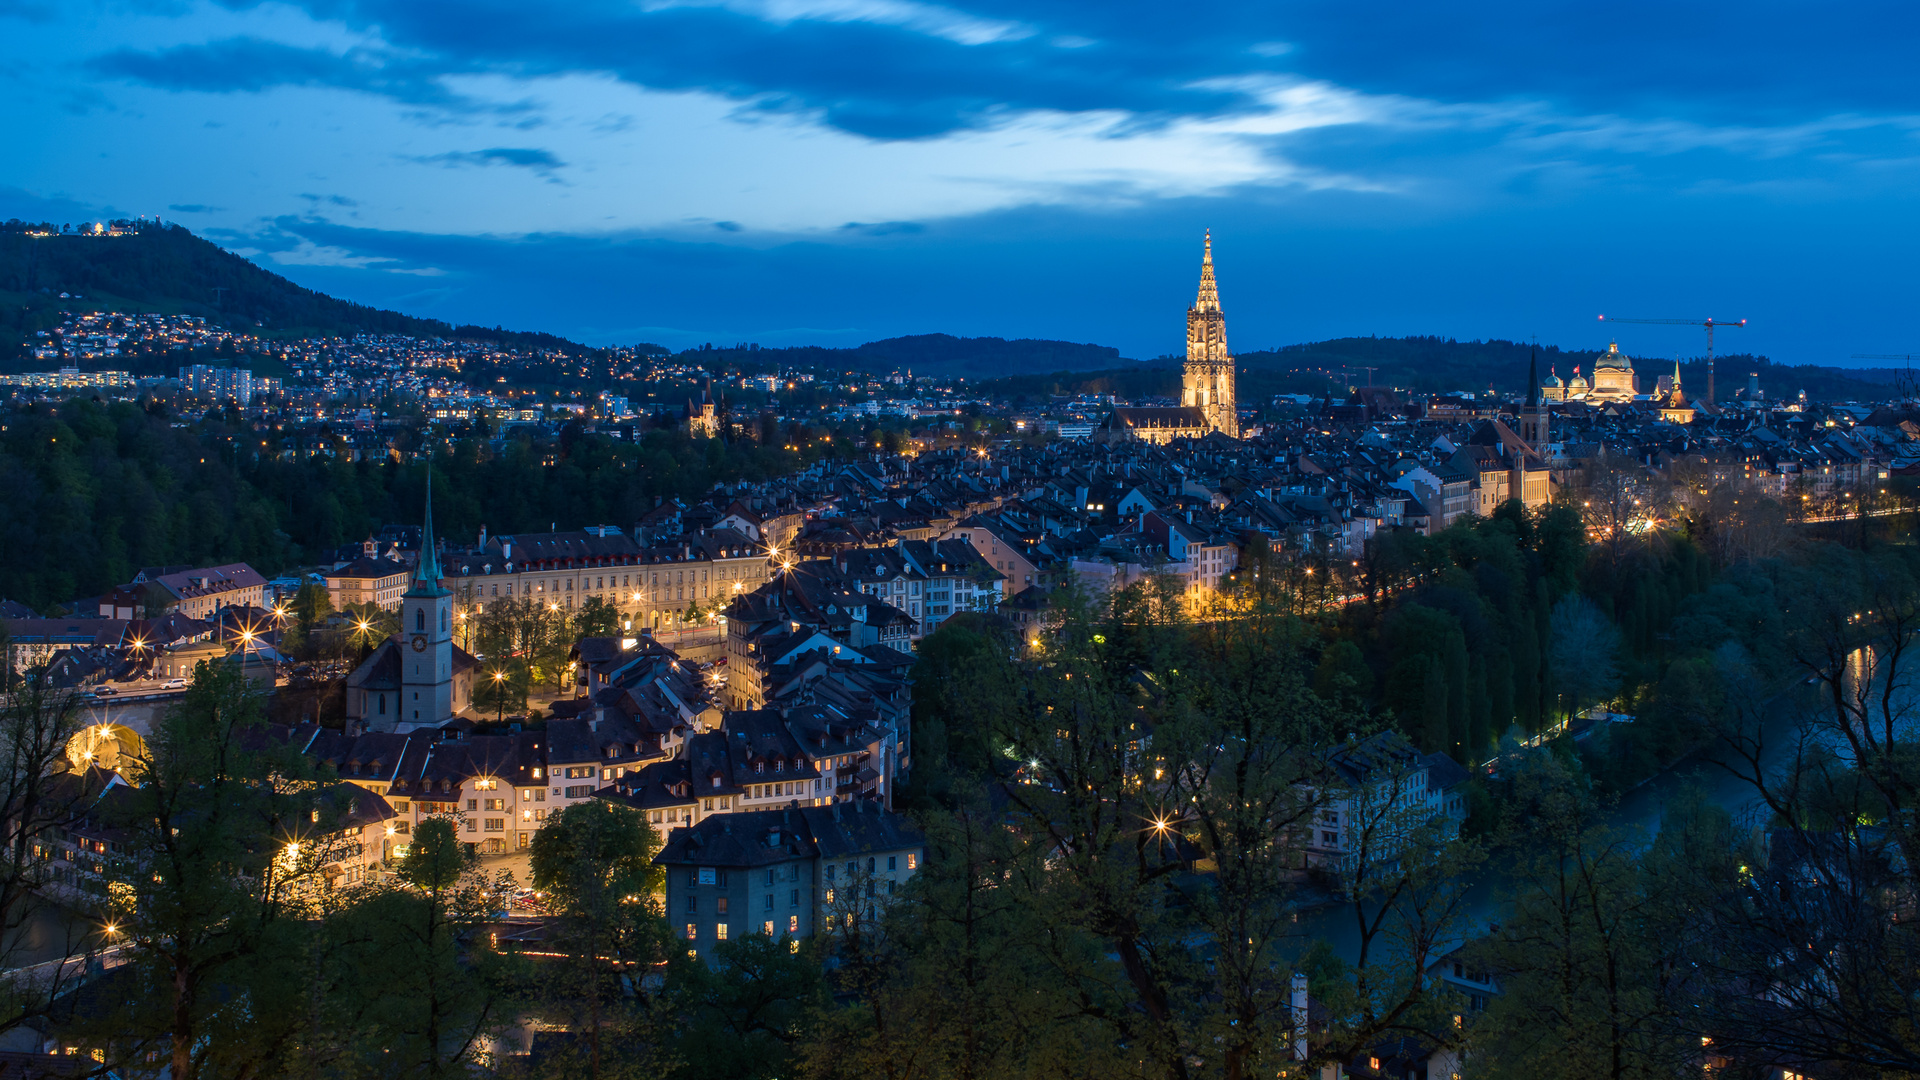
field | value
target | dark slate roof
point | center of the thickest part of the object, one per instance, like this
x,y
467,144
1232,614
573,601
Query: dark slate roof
x,y
761,837
844,829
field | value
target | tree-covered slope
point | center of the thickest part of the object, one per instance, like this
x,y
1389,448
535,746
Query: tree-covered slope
x,y
166,268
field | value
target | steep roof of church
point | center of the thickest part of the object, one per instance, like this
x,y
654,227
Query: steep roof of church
x,y
426,577
1209,298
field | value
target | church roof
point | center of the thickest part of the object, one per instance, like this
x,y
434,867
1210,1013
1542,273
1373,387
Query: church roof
x,y
426,576
1173,416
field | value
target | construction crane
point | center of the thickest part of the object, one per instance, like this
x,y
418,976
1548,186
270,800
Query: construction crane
x,y
1711,326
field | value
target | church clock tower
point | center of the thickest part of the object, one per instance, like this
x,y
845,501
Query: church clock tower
x,y
426,637
1207,382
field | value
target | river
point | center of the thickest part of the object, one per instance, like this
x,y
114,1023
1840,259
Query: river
x,y
1640,809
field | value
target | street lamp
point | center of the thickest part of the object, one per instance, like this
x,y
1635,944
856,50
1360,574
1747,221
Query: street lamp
x,y
500,695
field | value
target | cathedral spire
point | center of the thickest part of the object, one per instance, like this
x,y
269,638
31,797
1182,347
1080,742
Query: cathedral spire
x,y
1533,377
1209,299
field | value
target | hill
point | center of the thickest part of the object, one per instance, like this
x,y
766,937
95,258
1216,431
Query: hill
x,y
922,354
1442,365
150,266
153,267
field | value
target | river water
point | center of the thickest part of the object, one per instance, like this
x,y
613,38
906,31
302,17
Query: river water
x,y
1640,810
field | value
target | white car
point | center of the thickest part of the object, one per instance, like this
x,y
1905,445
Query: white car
x,y
174,684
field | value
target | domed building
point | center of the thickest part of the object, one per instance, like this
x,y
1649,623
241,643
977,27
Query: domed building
x,y
1612,376
1555,388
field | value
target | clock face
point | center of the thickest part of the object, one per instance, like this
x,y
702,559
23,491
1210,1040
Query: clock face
x,y
419,643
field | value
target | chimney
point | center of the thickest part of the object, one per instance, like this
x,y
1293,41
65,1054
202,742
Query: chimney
x,y
483,536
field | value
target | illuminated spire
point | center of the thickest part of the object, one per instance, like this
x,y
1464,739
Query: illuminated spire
x,y
1209,299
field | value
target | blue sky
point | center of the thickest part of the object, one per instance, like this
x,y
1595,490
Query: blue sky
x,y
834,171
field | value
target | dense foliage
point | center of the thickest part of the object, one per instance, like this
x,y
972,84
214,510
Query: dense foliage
x,y
95,492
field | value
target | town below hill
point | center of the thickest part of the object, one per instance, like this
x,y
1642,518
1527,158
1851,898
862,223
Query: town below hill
x,y
49,273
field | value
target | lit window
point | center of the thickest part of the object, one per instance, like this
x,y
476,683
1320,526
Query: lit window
x,y
720,931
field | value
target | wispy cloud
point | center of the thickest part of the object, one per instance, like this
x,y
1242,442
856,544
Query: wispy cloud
x,y
934,20
540,161
253,65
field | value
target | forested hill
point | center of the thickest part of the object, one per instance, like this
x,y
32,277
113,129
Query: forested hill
x,y
166,268
925,354
1442,365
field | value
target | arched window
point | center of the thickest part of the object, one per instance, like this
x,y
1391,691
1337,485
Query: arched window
x,y
443,618
383,704
419,618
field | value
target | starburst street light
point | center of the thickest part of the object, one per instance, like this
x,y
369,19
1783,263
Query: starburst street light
x,y
500,694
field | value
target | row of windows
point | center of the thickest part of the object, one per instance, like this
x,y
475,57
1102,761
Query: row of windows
x,y
774,791
767,928
624,581
717,875
720,902
893,863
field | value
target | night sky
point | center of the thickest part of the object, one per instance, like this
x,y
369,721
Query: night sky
x,y
834,171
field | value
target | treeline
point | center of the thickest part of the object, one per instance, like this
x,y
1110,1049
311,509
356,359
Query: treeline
x,y
924,354
1742,943
1435,365
1460,626
1745,943
95,492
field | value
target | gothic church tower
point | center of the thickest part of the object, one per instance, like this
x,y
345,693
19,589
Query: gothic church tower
x,y
1207,383
426,626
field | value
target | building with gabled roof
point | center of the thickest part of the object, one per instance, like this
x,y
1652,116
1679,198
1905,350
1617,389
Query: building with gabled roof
x,y
785,873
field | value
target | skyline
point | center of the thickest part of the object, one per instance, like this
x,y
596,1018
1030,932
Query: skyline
x,y
837,171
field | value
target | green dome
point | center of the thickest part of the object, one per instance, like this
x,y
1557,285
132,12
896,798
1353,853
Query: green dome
x,y
1613,358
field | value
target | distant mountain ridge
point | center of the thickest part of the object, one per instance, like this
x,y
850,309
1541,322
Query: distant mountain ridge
x,y
167,268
